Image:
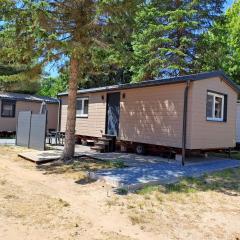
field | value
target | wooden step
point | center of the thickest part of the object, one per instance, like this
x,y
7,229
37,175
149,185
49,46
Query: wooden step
x,y
109,136
104,139
102,143
98,148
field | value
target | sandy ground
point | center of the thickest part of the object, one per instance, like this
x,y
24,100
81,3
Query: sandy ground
x,y
35,204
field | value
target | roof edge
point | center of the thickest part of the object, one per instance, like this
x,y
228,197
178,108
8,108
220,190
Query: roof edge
x,y
27,97
163,81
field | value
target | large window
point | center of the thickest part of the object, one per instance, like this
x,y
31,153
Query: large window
x,y
82,107
215,107
8,108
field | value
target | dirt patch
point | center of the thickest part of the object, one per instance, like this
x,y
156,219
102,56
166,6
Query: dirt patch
x,y
206,208
46,203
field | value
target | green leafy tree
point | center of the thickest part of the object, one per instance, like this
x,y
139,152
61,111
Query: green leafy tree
x,y
219,48
51,86
53,29
166,35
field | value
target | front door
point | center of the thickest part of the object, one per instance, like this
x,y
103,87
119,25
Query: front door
x,y
113,111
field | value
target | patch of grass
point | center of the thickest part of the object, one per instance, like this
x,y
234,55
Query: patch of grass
x,y
227,180
116,164
63,202
137,219
234,155
187,185
122,191
112,202
159,198
148,189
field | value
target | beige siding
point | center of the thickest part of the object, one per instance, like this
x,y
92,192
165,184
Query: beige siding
x,y
52,116
9,124
206,134
153,115
63,113
94,125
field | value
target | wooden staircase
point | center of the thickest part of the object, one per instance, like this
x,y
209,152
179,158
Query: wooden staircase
x,y
105,144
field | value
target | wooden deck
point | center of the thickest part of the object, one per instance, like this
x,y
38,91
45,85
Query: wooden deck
x,y
40,157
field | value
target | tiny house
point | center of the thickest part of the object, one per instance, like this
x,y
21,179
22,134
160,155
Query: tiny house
x,y
192,112
12,103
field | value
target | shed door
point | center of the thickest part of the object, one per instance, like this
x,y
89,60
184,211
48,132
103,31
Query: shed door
x,y
113,111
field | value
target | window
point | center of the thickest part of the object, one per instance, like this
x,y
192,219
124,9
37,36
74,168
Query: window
x,y
216,110
8,109
82,107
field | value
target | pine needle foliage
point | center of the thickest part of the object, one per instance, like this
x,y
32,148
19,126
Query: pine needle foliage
x,y
167,32
84,31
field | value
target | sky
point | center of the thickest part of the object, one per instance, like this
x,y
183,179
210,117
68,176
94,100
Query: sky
x,y
53,71
229,3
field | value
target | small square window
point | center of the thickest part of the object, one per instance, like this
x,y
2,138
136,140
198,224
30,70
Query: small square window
x,y
8,109
215,107
82,107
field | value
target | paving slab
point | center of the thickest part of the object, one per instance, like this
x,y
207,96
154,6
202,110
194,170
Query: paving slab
x,y
129,159
163,173
7,141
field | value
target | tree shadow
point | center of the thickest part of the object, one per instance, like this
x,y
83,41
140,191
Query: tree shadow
x,y
75,165
227,182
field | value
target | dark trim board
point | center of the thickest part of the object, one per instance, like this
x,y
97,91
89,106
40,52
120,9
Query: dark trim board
x,y
153,149
164,81
212,91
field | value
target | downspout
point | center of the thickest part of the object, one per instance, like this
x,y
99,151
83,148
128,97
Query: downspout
x,y
59,115
185,112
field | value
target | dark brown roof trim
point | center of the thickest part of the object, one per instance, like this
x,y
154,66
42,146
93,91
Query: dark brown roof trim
x,y
157,82
26,97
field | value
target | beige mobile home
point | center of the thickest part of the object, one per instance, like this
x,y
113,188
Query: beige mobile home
x,y
12,103
184,113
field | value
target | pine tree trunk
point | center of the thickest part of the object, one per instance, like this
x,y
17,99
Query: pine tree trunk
x,y
69,147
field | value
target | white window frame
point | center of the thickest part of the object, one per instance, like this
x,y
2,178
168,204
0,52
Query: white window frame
x,y
83,99
221,119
